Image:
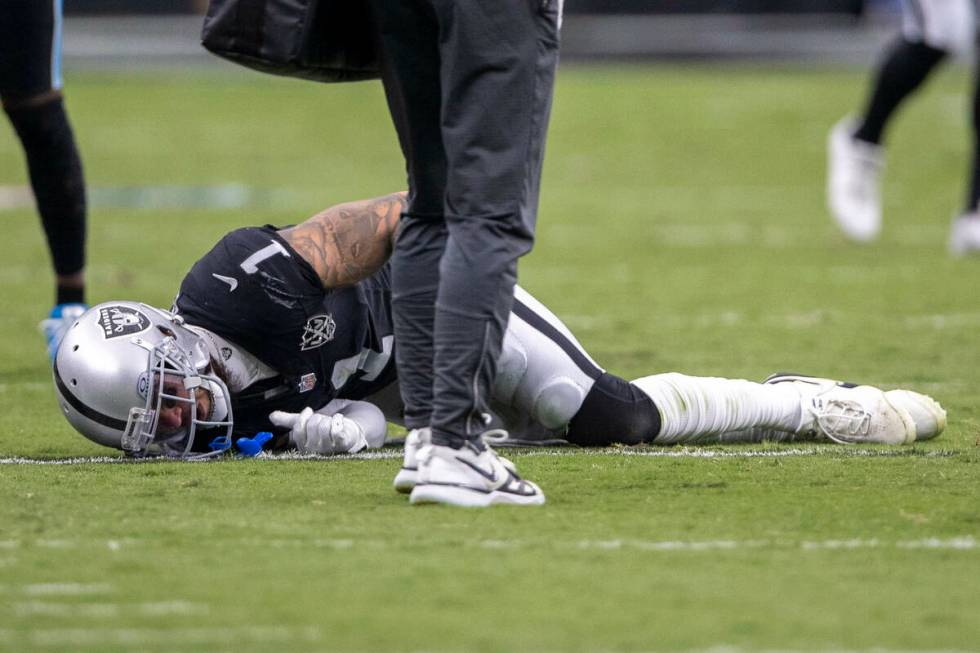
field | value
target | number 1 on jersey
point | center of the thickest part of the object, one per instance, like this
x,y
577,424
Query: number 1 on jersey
x,y
250,265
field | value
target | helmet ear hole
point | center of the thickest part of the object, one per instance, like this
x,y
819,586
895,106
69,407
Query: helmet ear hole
x,y
74,381
75,348
165,331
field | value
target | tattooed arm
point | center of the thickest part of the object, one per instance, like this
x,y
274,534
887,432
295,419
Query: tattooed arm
x,y
349,242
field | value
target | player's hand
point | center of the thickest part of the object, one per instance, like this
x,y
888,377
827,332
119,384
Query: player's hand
x,y
312,432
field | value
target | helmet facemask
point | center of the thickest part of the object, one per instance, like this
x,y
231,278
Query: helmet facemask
x,y
175,383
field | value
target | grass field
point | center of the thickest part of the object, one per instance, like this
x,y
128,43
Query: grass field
x,y
682,228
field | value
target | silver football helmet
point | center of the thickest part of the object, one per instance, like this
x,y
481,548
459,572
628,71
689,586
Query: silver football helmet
x,y
133,377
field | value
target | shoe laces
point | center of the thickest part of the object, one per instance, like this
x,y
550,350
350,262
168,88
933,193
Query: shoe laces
x,y
842,421
495,436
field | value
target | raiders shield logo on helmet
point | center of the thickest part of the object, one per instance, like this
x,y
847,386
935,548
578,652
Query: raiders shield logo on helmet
x,y
318,331
121,321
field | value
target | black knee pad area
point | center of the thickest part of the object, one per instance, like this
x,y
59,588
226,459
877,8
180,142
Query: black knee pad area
x,y
614,412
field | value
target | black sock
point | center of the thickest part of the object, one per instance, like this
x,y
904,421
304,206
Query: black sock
x,y
56,176
973,199
904,69
69,294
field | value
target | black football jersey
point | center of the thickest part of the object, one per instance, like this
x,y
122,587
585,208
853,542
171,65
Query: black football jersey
x,y
255,291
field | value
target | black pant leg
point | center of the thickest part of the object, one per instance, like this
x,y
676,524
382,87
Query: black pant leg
x,y
30,48
410,72
498,64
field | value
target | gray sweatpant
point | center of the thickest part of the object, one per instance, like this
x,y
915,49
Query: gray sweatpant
x,y
469,85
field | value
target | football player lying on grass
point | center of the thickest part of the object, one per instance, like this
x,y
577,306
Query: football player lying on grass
x,y
289,331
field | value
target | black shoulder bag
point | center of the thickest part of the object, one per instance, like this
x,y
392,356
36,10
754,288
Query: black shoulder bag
x,y
320,40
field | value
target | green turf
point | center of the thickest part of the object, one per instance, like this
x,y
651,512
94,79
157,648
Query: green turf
x,y
682,229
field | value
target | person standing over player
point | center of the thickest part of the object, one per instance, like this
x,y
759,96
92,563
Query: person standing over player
x,y
30,88
931,30
469,86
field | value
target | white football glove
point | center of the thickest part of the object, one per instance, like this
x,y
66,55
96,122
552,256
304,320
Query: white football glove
x,y
312,432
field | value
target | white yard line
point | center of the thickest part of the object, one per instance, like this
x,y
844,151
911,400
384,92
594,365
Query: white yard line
x,y
966,543
109,610
665,452
90,460
176,607
97,637
685,452
48,609
735,649
178,197
15,197
66,589
30,386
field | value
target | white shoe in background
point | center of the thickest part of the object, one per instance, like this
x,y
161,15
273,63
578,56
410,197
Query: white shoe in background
x,y
854,170
56,325
964,236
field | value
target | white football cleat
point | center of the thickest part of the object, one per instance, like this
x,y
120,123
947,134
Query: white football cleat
x,y
470,477
407,476
854,183
854,414
928,415
964,236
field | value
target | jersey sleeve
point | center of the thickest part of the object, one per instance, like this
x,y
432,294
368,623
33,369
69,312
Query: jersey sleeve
x,y
253,290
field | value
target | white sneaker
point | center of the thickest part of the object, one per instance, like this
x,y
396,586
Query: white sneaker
x,y
964,236
407,476
854,182
470,477
855,414
56,325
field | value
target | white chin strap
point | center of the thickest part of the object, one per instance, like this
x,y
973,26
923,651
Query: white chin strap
x,y
219,402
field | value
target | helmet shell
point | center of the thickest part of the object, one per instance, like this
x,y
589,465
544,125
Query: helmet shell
x,y
100,372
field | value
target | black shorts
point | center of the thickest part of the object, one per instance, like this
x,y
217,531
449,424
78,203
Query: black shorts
x,y
30,47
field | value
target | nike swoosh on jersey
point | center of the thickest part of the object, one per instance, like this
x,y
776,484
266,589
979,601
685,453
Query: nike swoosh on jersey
x,y
231,281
